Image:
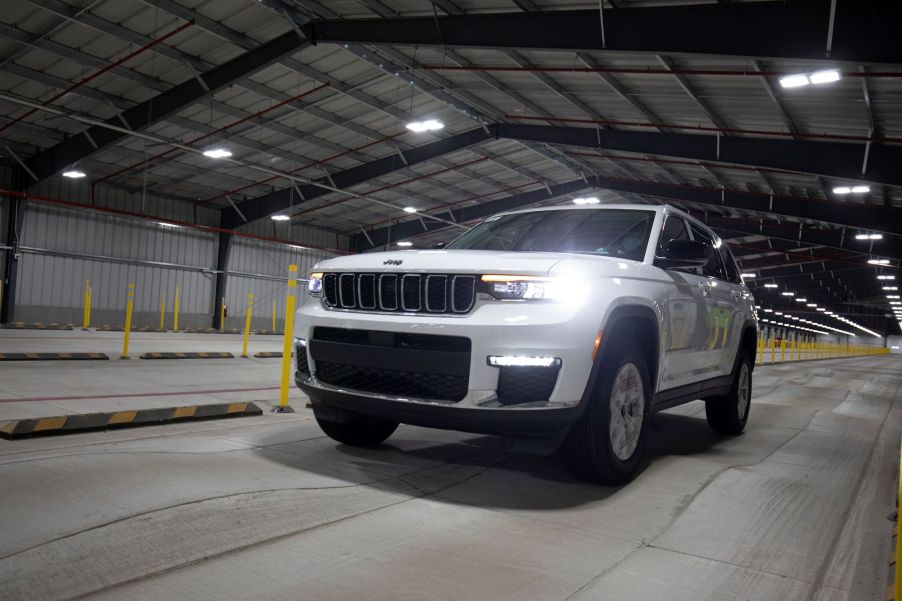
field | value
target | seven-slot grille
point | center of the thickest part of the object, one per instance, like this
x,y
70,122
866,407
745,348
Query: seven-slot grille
x,y
400,292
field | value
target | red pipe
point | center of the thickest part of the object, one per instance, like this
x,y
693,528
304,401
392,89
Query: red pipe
x,y
146,217
97,74
301,168
624,71
212,133
396,184
728,130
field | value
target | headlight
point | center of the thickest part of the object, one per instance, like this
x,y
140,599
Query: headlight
x,y
526,287
315,284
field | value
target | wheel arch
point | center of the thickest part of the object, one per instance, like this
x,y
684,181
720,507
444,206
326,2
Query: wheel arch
x,y
639,324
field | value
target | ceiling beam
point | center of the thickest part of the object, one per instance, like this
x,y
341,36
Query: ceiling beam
x,y
49,161
828,158
400,231
279,200
755,29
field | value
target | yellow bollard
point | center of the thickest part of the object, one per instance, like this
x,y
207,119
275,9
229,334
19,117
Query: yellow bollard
x,y
273,316
761,349
222,314
247,323
129,306
773,350
782,350
898,591
84,307
162,312
175,311
287,337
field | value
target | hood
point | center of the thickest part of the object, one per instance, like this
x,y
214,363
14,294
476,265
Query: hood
x,y
447,261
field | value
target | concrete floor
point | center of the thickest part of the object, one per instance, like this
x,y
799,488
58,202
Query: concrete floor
x,y
267,508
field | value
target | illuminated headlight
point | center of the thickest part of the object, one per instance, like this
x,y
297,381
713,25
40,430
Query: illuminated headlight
x,y
519,361
315,284
523,287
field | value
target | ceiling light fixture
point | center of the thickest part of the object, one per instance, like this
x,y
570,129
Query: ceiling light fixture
x,y
586,200
801,300
860,189
74,174
770,285
869,236
794,81
842,190
749,275
405,243
878,261
280,217
789,294
426,125
825,76
217,153
886,277
410,210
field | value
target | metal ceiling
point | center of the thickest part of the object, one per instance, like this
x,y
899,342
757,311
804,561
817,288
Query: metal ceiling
x,y
675,102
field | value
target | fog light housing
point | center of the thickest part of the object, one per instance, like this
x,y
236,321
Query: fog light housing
x,y
522,361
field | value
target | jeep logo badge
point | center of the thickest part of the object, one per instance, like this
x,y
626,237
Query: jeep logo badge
x,y
392,262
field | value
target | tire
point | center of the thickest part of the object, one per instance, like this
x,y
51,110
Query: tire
x,y
358,431
608,451
729,414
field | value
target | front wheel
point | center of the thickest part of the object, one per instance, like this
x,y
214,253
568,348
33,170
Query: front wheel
x,y
729,414
358,431
607,444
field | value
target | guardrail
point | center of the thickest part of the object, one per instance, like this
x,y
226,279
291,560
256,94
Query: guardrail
x,y
781,350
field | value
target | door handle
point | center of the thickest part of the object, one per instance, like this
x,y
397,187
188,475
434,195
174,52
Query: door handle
x,y
705,288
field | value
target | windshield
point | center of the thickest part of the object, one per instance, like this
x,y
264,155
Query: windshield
x,y
621,233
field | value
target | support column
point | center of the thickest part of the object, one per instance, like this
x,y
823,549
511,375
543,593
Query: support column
x,y
222,264
11,259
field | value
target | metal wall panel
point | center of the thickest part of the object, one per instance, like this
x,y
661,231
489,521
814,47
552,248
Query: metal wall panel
x,y
267,267
135,201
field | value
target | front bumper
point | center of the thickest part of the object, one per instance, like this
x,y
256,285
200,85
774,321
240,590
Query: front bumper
x,y
563,330
329,401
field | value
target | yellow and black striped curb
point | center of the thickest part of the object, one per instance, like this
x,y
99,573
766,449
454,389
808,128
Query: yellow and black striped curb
x,y
70,424
268,355
187,356
53,356
18,325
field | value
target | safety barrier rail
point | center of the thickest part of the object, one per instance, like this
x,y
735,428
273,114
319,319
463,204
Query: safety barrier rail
x,y
782,350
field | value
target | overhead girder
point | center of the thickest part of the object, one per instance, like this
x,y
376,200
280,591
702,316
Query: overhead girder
x,y
280,200
400,231
51,160
865,31
830,158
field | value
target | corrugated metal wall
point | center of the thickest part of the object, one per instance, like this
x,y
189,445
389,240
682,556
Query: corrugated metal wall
x,y
264,259
63,247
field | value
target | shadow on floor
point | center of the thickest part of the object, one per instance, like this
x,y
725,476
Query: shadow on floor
x,y
473,469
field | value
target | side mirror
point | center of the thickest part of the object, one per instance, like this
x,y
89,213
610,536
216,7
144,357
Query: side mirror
x,y
438,245
683,254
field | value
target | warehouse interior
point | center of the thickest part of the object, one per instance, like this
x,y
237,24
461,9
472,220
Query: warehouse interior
x,y
164,162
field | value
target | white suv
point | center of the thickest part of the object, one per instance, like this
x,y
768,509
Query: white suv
x,y
548,326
